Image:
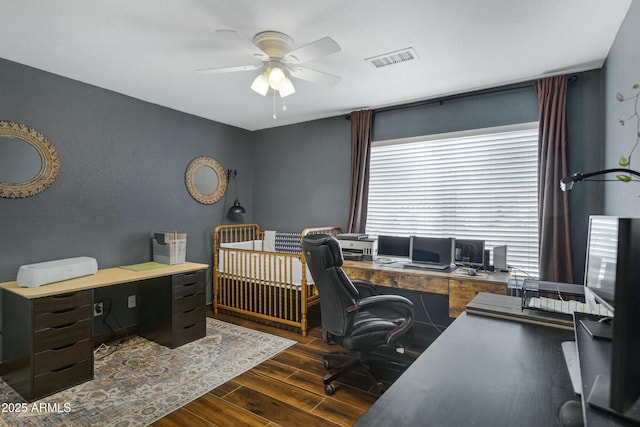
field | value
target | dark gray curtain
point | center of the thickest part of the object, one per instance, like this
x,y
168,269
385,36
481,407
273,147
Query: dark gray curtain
x,y
555,242
360,156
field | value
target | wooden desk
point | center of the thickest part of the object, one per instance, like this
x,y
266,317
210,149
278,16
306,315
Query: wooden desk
x,y
48,331
105,277
461,288
483,372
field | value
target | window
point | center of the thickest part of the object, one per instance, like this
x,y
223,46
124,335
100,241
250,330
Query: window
x,y
480,184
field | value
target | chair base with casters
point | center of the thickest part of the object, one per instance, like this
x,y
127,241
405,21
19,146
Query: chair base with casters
x,y
346,362
340,363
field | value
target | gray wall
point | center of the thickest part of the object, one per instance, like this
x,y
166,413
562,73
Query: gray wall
x,y
622,72
301,175
121,175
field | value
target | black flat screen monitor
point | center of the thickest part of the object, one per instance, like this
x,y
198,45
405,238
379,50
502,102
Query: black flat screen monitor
x,y
469,252
612,276
432,250
394,246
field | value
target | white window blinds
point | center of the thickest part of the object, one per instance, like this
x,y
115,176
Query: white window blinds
x,y
481,184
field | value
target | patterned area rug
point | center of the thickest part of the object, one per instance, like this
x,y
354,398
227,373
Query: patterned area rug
x,y
143,381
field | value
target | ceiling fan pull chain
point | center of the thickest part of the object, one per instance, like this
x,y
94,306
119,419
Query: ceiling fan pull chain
x,y
284,104
274,105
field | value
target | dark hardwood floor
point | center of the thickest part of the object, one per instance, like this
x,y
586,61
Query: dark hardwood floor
x,y
286,390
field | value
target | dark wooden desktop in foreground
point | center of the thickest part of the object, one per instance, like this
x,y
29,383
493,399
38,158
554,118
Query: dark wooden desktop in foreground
x,y
495,368
481,371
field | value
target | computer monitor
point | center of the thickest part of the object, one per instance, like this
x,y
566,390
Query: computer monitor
x,y
601,259
616,241
500,258
394,246
434,250
469,252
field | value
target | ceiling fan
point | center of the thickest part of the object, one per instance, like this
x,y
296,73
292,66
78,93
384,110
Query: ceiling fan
x,y
279,58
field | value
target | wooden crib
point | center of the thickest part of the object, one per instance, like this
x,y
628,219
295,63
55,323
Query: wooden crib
x,y
252,278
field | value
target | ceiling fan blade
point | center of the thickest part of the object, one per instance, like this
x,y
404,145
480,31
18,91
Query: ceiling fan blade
x,y
230,69
322,47
234,38
314,76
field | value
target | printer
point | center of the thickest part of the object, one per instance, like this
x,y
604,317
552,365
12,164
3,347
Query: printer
x,y
357,247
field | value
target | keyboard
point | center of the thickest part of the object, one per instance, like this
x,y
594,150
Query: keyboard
x,y
427,266
565,307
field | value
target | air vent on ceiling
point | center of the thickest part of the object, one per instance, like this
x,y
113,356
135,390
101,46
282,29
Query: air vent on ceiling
x,y
396,57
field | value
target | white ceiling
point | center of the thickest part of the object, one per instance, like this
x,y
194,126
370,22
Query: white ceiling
x,y
151,49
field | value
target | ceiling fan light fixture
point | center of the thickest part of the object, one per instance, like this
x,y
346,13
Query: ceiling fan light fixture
x,y
287,88
261,84
276,77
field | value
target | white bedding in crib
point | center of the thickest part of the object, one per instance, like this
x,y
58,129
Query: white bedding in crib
x,y
268,267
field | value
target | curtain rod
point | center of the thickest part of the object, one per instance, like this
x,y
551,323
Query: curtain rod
x,y
570,79
456,97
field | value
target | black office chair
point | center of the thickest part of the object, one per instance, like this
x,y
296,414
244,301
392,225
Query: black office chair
x,y
352,315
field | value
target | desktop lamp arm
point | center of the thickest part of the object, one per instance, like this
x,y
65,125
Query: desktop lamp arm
x,y
567,182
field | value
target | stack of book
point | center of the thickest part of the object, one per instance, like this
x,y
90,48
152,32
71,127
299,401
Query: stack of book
x,y
169,247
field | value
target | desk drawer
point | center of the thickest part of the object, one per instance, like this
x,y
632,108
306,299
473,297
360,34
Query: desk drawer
x,y
50,360
65,377
60,303
404,280
356,273
189,302
62,317
61,336
419,282
191,332
188,289
187,318
188,278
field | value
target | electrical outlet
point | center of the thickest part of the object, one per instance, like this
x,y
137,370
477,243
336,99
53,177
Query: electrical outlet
x,y
98,309
131,301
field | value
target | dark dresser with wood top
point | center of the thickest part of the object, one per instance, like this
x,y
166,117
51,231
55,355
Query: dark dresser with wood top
x,y
48,330
181,299
47,344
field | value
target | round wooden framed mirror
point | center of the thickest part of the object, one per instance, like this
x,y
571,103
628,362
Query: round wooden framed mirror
x,y
29,163
206,180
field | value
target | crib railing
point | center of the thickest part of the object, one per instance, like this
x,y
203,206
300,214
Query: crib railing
x,y
271,286
261,284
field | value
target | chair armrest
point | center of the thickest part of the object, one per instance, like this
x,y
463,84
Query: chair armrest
x,y
386,301
364,287
394,302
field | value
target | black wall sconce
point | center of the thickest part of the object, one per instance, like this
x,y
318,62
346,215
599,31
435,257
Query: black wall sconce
x,y
237,207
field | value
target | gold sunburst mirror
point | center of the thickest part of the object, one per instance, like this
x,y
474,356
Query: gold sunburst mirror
x,y
29,162
206,180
